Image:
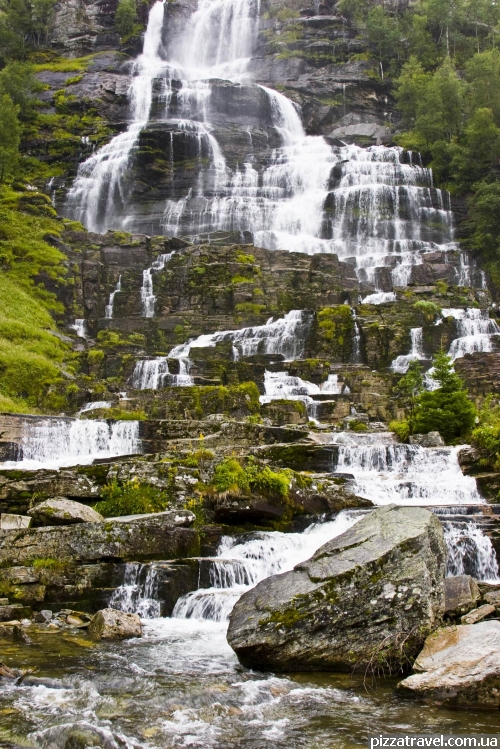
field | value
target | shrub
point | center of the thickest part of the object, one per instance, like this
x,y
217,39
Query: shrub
x,y
357,426
131,498
125,17
428,309
486,436
231,477
401,428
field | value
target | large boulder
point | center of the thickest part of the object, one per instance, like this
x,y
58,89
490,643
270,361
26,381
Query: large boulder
x,y
365,600
63,511
164,535
461,667
110,624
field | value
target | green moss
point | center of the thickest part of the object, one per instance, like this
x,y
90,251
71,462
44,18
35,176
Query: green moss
x,y
49,563
287,618
335,331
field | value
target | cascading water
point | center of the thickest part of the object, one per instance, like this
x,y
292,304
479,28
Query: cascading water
x,y
470,551
138,593
110,304
242,564
80,328
401,363
375,206
99,190
475,329
148,298
152,374
51,443
278,385
404,474
285,337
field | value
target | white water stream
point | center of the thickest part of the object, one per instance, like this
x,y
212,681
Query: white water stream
x,y
385,471
53,443
374,205
476,331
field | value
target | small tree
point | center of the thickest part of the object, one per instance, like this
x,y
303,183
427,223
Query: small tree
x,y
125,17
448,409
10,137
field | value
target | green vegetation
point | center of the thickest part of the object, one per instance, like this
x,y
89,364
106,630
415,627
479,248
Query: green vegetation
x,y
335,331
125,17
447,409
231,477
131,498
428,309
48,563
24,25
486,436
10,137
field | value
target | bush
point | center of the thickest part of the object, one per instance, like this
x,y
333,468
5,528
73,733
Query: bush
x,y
231,477
486,436
401,429
428,309
125,17
131,498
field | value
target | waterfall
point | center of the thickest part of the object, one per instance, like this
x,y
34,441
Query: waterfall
x,y
138,592
356,341
109,306
285,337
280,385
241,564
401,363
475,331
80,328
94,406
470,551
376,207
51,443
99,189
148,298
152,374
403,474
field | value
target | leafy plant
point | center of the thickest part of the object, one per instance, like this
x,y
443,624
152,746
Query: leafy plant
x,y
131,498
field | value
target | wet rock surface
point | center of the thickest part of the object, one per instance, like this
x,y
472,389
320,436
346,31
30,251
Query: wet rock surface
x,y
110,624
461,595
63,511
163,536
460,667
351,606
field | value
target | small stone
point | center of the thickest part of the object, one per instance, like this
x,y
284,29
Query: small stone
x,y
432,439
8,673
4,601
43,616
109,624
478,614
75,621
21,636
10,522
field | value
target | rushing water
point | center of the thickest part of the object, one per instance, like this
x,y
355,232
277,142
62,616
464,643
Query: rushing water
x,y
181,685
388,472
151,374
476,331
401,363
52,443
376,205
148,297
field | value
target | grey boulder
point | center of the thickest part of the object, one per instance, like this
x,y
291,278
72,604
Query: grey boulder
x,y
366,599
62,511
460,667
461,594
110,624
